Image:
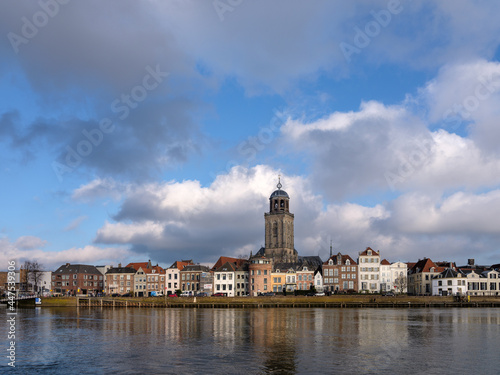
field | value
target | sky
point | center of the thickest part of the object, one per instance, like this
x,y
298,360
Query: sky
x,y
135,130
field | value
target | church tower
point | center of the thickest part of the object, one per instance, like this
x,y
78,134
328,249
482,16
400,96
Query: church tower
x,y
279,228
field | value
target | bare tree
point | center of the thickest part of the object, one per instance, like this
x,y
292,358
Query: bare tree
x,y
33,274
401,283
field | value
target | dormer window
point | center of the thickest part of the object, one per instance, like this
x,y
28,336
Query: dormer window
x,y
369,252
348,262
330,262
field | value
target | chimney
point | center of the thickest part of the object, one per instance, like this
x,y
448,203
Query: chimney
x,y
119,265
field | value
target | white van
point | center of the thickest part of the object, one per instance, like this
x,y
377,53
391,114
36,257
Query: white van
x,y
187,294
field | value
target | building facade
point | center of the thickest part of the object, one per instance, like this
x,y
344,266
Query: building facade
x,y
120,280
260,268
149,280
449,283
340,274
191,276
77,279
369,271
225,279
420,277
172,276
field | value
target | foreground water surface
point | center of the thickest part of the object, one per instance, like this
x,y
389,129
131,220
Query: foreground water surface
x,y
254,341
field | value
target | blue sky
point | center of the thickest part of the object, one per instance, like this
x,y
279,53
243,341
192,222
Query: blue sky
x,y
157,130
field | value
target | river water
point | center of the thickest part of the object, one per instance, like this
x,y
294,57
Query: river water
x,y
254,341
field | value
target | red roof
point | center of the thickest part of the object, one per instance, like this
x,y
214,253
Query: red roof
x,y
385,262
144,266
366,252
181,264
425,265
138,265
223,260
344,258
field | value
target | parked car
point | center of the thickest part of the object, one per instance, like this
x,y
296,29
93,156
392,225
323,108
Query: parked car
x,y
202,294
219,295
310,295
389,294
269,294
186,294
320,294
172,295
115,295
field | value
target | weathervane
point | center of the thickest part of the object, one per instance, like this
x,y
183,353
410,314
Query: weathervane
x,y
279,182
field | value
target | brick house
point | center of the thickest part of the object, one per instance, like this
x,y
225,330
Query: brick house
x,y
73,279
191,278
340,274
120,280
148,280
259,269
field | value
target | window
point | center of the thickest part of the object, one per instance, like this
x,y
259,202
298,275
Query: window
x,y
258,272
335,272
265,280
265,272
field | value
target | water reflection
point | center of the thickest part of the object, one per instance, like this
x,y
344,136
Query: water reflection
x,y
252,341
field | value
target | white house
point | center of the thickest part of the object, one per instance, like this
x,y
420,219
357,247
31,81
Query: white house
x,y
224,279
386,280
486,283
369,271
399,277
318,280
172,275
449,283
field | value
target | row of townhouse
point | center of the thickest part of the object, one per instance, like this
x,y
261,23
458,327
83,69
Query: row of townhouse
x,y
369,274
444,278
340,273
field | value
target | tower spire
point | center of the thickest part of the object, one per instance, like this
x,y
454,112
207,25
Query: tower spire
x,y
279,186
331,249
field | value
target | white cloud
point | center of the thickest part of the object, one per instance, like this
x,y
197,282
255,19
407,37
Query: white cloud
x,y
29,242
90,254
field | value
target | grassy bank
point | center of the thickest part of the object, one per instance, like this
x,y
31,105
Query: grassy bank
x,y
276,301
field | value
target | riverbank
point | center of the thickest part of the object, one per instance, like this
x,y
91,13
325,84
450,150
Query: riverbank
x,y
336,301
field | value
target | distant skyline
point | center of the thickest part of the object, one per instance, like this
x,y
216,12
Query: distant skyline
x,y
157,130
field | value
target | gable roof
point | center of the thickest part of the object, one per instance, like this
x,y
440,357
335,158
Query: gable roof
x,y
365,252
77,268
226,267
195,268
425,265
121,270
449,274
236,261
146,267
343,259
181,264
385,262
